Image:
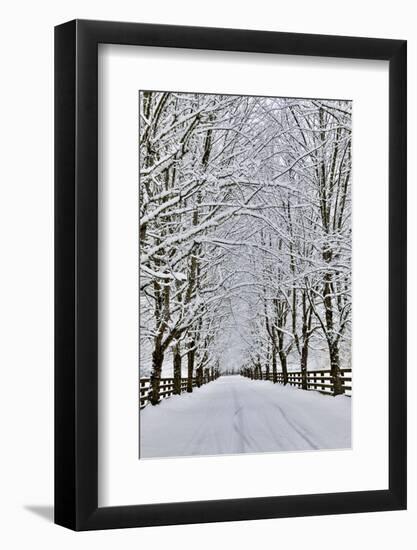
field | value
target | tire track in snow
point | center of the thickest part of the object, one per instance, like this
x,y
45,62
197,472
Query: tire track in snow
x,y
239,425
297,428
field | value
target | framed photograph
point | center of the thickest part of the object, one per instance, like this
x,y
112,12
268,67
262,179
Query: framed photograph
x,y
230,254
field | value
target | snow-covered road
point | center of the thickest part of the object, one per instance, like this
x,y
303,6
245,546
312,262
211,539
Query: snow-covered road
x,y
237,415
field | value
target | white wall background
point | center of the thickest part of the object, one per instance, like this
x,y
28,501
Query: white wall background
x,y
26,287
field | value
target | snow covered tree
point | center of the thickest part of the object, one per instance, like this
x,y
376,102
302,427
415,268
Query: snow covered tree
x,y
245,235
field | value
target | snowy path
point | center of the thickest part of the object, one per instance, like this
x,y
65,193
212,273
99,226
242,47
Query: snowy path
x,y
237,415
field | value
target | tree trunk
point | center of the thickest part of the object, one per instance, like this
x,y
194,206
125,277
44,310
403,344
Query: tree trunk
x,y
305,338
190,357
282,356
274,364
304,357
155,382
177,369
199,376
332,343
283,359
335,369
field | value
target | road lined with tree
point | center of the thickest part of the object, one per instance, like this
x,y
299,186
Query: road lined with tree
x,y
245,236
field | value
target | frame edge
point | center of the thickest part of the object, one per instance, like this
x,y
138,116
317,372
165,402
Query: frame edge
x,y
76,469
65,258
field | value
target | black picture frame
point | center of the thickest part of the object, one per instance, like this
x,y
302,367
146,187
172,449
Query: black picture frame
x,y
76,272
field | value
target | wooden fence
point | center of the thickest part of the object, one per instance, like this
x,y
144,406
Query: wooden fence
x,y
166,388
319,380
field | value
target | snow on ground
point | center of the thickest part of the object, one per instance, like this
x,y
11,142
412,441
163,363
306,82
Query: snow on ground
x,y
236,415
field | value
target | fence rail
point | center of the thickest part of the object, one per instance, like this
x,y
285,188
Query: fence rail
x,y
166,388
320,380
